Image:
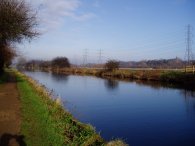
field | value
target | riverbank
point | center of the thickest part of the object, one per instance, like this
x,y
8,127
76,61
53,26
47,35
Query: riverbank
x,y
166,76
132,108
45,122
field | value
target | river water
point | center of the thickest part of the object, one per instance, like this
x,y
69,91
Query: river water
x,y
141,114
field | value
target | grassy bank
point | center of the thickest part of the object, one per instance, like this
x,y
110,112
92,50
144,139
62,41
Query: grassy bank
x,y
45,122
175,77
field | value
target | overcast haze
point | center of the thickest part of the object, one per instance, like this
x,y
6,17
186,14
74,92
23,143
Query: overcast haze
x,y
122,29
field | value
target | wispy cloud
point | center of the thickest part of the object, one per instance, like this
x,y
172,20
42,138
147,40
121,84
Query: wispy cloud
x,y
53,13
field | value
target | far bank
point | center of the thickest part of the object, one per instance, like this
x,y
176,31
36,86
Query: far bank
x,y
175,77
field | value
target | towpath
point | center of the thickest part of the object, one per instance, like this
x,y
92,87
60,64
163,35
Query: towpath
x,y
10,114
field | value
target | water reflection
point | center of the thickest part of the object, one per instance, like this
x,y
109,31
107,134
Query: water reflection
x,y
188,93
159,85
111,84
59,77
142,113
153,85
189,97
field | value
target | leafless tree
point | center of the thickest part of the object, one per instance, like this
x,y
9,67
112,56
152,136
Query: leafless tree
x,y
8,54
17,23
60,62
111,65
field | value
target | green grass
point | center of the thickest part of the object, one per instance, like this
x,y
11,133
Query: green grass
x,y
173,76
46,123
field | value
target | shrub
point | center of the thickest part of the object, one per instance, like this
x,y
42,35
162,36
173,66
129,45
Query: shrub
x,y
60,62
112,65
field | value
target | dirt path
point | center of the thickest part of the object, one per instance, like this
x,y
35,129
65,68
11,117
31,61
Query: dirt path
x,y
10,118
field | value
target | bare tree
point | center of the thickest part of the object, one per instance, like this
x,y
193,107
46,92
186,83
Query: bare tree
x,y
60,62
111,65
17,23
8,54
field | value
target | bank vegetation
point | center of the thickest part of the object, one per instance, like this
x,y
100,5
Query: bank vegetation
x,y
45,122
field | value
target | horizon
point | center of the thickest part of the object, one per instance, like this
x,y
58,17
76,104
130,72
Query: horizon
x,y
121,30
96,63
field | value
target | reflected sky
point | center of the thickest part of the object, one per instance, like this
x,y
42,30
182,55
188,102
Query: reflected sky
x,y
140,114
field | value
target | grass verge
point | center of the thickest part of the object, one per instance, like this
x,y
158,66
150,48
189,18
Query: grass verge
x,y
46,123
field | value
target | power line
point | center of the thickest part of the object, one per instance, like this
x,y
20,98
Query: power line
x,y
85,56
188,54
100,56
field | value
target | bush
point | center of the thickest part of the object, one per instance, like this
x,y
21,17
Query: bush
x,y
60,62
112,65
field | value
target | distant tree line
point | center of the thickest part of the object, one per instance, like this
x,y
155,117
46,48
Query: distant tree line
x,y
110,65
58,62
155,64
161,63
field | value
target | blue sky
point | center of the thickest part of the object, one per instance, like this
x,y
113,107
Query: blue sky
x,y
122,29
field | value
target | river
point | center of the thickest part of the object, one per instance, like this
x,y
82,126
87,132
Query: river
x,y
140,114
